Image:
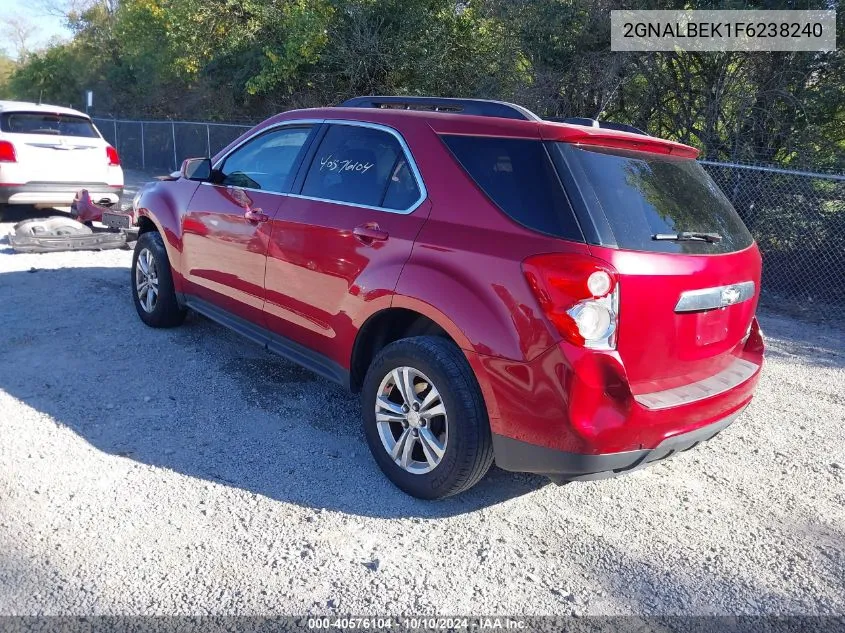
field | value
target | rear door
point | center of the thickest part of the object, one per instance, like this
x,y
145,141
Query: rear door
x,y
57,147
685,304
226,228
342,238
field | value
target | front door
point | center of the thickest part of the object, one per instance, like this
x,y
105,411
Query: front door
x,y
342,237
226,228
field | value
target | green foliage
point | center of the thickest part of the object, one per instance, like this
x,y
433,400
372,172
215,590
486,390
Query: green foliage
x,y
244,59
53,73
7,67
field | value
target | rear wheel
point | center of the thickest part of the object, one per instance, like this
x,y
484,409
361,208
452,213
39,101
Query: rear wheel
x,y
152,283
425,419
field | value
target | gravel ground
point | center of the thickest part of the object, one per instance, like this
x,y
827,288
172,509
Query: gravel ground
x,y
189,472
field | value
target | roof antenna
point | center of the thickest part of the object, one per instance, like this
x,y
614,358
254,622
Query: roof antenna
x,y
606,102
40,96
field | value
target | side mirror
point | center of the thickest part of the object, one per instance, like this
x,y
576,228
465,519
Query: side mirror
x,y
196,169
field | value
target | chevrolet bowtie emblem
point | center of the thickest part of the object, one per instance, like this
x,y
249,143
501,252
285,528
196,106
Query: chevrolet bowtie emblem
x,y
730,295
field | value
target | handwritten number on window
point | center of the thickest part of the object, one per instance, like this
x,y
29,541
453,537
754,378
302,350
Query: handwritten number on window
x,y
330,163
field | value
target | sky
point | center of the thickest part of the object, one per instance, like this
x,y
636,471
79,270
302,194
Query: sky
x,y
46,26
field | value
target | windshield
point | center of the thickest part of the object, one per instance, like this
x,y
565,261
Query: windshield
x,y
47,123
655,202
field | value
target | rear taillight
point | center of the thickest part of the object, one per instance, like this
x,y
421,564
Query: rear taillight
x,y
111,152
7,152
579,295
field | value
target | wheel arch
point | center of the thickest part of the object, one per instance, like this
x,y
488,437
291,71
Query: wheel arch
x,y
159,209
413,318
146,225
382,328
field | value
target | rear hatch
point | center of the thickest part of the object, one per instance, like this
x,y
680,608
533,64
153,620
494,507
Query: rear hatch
x,y
689,271
62,148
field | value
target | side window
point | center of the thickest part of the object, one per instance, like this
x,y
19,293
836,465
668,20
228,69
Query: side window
x,y
402,189
361,165
265,162
520,178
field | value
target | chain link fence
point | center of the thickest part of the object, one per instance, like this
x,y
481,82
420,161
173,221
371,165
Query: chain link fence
x,y
163,145
798,220
797,217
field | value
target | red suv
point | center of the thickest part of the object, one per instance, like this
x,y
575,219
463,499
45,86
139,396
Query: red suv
x,y
570,299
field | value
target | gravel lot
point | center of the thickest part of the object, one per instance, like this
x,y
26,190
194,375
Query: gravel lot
x,y
189,472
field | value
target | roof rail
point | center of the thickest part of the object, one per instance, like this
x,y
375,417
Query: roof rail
x,y
478,107
607,125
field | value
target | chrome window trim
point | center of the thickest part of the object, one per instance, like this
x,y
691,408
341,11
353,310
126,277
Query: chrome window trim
x,y
716,297
409,158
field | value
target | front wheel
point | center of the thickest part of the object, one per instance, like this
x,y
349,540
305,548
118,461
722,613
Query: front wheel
x,y
425,419
152,283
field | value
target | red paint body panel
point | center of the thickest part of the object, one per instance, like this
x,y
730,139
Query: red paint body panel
x,y
679,348
614,138
579,402
457,259
323,281
164,203
224,254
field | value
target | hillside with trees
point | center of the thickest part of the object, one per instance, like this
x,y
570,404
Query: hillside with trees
x,y
240,60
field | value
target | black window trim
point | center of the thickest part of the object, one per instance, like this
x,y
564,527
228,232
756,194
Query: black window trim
x,y
319,129
576,216
598,230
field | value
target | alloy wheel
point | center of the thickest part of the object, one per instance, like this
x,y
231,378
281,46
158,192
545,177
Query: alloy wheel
x,y
411,420
146,280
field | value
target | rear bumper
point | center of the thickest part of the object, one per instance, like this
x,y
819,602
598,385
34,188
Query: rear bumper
x,y
572,415
562,466
58,193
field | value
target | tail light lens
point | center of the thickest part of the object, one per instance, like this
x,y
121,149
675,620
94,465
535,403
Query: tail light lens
x,y
111,152
579,295
7,152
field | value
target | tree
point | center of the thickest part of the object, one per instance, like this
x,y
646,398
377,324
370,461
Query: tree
x,y
241,60
19,32
7,67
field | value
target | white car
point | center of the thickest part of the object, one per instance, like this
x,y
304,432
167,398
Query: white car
x,y
48,153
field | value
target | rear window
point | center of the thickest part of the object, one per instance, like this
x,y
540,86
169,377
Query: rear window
x,y
643,195
518,175
47,124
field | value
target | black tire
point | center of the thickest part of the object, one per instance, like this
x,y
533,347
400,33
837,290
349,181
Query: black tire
x,y
165,311
468,450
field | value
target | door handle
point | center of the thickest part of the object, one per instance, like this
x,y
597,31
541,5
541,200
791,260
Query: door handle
x,y
255,215
369,233
242,199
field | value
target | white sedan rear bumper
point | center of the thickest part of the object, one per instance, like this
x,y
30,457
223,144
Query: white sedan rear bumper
x,y
58,194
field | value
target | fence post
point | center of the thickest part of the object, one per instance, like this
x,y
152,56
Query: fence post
x,y
143,151
173,134
208,140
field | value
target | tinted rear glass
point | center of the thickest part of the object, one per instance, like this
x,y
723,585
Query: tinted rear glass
x,y
48,124
518,175
644,194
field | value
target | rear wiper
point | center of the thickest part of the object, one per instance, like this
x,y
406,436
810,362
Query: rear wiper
x,y
688,236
